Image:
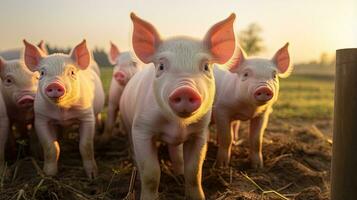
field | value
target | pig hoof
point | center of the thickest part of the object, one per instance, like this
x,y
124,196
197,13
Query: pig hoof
x,y
222,159
222,164
50,169
257,162
91,171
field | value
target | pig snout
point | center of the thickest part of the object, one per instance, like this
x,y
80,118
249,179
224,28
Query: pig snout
x,y
120,77
184,101
55,90
25,101
263,94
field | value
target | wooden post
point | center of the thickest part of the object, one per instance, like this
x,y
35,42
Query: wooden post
x,y
344,151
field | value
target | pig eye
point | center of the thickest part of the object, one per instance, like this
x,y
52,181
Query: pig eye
x,y
245,75
161,66
72,73
8,81
274,75
206,67
42,74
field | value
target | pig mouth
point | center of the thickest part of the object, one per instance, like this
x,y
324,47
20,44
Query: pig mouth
x,y
25,101
184,114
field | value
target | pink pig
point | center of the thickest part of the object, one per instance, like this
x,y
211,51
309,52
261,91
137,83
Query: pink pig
x,y
247,92
17,90
172,100
70,91
126,65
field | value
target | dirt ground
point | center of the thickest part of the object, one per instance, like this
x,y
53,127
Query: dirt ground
x,y
297,156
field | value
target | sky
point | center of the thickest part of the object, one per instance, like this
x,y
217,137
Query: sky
x,y
311,26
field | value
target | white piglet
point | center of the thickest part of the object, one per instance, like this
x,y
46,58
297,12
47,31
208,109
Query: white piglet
x,y
247,92
17,90
172,101
70,91
126,65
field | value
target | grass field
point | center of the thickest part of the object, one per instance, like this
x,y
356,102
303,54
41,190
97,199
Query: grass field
x,y
296,151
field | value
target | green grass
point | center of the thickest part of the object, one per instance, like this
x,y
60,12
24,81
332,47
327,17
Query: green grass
x,y
305,94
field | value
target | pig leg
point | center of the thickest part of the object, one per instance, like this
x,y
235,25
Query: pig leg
x,y
194,155
35,147
225,139
4,131
109,124
86,147
257,128
235,128
98,122
48,140
176,155
145,151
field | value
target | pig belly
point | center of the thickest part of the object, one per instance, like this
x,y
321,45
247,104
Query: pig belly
x,y
241,117
65,123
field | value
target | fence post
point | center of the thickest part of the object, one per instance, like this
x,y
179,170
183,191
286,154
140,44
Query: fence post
x,y
344,150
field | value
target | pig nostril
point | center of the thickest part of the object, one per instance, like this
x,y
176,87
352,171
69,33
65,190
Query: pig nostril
x,y
177,100
50,90
192,100
259,93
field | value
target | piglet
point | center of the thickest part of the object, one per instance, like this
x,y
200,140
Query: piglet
x,y
247,92
17,91
172,101
126,65
69,92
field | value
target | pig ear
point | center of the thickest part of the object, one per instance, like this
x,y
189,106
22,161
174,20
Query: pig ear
x,y
2,64
81,55
282,61
113,54
220,40
239,57
33,56
42,46
145,39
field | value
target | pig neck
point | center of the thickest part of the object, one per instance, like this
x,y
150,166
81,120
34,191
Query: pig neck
x,y
228,98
